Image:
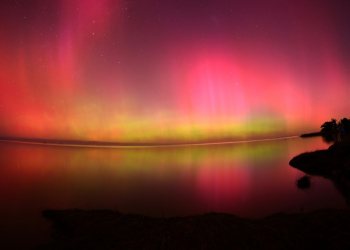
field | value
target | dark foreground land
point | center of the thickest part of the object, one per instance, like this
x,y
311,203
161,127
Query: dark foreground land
x,y
322,229
104,229
332,163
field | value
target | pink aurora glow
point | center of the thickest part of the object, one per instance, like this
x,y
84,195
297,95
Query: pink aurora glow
x,y
165,72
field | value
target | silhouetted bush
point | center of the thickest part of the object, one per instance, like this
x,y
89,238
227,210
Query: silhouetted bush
x,y
303,182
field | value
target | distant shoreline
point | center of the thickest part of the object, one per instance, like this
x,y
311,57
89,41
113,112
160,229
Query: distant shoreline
x,y
77,143
318,133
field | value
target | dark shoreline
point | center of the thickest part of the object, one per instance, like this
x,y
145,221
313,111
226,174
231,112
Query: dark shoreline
x,y
106,229
319,134
332,163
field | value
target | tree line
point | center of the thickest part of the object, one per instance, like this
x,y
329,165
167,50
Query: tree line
x,y
343,126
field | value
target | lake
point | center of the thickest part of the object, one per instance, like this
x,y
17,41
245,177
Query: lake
x,y
248,179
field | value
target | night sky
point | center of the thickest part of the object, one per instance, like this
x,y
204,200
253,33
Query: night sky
x,y
172,70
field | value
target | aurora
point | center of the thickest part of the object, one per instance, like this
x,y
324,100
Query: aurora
x,y
171,71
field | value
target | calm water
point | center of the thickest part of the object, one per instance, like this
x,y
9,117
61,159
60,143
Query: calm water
x,y
247,179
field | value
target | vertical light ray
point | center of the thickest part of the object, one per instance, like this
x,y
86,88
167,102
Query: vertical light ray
x,y
97,70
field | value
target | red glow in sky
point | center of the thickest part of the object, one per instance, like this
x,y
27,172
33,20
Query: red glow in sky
x,y
171,71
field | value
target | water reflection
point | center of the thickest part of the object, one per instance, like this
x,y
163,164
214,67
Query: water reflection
x,y
246,179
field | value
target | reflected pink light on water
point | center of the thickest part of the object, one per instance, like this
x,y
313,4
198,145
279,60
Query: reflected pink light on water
x,y
218,188
246,179
219,177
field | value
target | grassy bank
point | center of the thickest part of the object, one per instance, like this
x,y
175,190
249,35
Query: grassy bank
x,y
104,229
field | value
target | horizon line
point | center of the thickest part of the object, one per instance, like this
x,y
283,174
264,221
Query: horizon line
x,y
81,143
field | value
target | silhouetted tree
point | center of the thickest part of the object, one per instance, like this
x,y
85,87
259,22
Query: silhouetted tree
x,y
329,126
345,122
344,126
341,129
